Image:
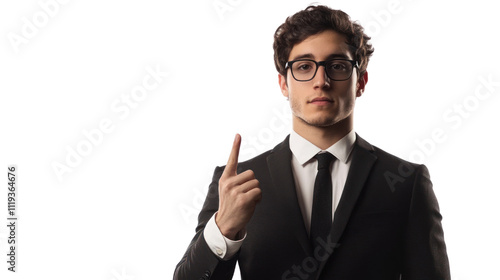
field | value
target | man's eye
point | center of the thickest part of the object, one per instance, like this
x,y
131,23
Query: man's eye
x,y
304,67
338,67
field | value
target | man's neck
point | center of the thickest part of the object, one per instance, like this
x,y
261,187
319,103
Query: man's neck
x,y
323,137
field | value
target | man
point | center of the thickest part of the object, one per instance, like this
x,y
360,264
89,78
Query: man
x,y
324,203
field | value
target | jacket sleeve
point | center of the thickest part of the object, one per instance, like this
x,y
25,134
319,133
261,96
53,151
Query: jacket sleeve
x,y
199,262
425,254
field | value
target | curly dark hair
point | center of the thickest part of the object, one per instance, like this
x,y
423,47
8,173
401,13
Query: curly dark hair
x,y
316,19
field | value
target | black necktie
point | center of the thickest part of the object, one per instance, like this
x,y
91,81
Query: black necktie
x,y
321,218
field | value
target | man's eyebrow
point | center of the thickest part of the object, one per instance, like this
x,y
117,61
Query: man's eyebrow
x,y
307,55
331,56
337,55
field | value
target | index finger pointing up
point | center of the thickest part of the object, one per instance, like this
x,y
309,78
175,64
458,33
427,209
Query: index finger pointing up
x,y
232,162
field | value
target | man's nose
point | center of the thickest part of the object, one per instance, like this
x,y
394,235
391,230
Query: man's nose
x,y
321,79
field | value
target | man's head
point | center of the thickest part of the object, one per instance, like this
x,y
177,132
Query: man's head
x,y
321,57
313,20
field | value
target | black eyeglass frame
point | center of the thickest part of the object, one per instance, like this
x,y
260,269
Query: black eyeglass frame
x,y
321,63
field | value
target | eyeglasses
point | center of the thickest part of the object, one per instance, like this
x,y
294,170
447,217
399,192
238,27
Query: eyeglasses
x,y
338,69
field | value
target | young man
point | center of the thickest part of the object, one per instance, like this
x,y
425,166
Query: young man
x,y
324,203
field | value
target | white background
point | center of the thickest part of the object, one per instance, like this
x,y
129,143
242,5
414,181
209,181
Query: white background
x,y
127,209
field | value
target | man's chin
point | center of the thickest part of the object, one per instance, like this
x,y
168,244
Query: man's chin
x,y
324,124
321,122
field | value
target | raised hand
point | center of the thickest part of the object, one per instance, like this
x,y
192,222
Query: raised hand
x,y
238,195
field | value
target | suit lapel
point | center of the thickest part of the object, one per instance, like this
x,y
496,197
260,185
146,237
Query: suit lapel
x,y
279,164
361,164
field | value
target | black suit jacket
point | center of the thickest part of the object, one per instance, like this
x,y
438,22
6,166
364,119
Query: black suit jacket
x,y
387,225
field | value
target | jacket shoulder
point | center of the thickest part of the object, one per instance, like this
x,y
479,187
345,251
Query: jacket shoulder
x,y
383,157
260,160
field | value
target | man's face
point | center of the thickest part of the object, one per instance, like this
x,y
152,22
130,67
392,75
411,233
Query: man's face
x,y
322,102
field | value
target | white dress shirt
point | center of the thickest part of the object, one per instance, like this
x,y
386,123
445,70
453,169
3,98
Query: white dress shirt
x,y
304,169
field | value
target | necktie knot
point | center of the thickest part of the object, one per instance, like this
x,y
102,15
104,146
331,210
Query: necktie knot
x,y
324,160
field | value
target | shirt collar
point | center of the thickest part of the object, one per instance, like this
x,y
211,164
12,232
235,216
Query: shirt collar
x,y
304,150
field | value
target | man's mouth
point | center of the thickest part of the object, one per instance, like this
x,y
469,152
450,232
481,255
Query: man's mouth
x,y
321,101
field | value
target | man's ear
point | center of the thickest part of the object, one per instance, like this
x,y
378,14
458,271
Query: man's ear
x,y
283,85
360,85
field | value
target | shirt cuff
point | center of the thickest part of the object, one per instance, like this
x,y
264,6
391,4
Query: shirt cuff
x,y
220,245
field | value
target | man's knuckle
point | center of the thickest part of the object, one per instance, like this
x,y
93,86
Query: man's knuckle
x,y
230,191
240,201
229,182
257,191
